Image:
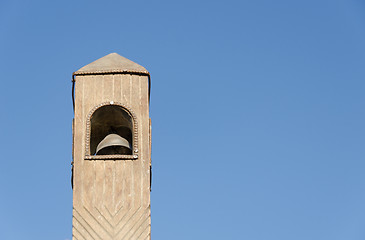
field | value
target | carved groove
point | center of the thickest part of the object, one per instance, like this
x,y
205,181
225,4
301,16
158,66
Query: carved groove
x,y
139,226
126,214
82,225
109,213
130,229
128,220
96,220
106,220
144,230
145,222
117,212
77,231
114,226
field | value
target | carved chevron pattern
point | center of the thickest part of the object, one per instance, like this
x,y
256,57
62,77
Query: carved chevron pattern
x,y
100,224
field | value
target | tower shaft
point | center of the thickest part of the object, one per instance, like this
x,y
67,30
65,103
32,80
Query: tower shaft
x,y
111,193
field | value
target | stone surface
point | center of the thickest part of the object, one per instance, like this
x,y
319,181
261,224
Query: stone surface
x,y
111,198
112,62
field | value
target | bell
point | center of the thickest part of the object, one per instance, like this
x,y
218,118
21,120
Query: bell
x,y
114,144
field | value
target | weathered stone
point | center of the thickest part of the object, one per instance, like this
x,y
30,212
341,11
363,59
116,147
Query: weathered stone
x,y
111,193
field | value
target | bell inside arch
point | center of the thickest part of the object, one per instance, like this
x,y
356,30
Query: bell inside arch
x,y
114,144
111,128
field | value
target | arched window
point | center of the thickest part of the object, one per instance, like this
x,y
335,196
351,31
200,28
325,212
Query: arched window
x,y
111,133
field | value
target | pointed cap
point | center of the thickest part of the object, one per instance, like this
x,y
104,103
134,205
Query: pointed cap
x,y
112,63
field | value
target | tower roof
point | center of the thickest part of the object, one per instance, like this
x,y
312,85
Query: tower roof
x,y
111,63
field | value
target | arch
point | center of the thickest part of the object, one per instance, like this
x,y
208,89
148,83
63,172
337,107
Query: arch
x,y
121,120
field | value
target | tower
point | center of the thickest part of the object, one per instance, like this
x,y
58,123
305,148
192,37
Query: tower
x,y
111,150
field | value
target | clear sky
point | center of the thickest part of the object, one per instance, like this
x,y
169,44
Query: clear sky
x,y
257,110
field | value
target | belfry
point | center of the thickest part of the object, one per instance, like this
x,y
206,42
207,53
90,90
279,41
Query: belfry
x,y
111,172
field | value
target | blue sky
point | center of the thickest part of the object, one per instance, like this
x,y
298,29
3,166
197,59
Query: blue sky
x,y
257,110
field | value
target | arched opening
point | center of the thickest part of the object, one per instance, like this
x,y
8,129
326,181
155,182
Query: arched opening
x,y
111,131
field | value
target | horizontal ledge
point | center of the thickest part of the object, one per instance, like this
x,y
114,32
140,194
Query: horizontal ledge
x,y
111,157
108,72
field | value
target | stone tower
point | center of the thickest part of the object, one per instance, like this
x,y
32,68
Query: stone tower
x,y
111,151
